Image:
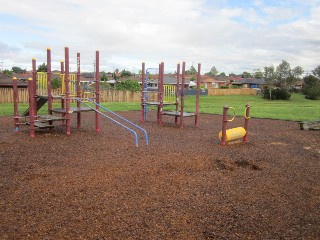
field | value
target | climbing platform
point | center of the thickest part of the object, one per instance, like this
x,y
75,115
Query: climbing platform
x,y
72,110
178,114
158,103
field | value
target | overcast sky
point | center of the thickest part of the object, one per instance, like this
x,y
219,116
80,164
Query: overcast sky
x,y
232,35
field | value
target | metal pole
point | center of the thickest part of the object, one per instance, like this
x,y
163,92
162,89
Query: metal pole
x,y
143,94
182,93
198,96
31,105
49,87
67,94
15,104
78,91
224,125
177,93
97,93
246,122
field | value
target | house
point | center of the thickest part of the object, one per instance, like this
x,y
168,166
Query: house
x,y
213,82
250,83
6,81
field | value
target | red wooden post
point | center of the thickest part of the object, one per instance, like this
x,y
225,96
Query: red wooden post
x,y
78,91
161,93
177,93
246,122
97,92
143,93
31,106
49,87
182,93
224,125
34,87
15,103
198,96
67,94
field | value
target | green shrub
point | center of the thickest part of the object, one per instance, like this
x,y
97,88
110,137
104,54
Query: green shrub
x,y
276,94
56,83
128,85
311,89
313,92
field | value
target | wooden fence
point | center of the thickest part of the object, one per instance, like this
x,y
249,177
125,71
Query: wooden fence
x,y
6,95
231,91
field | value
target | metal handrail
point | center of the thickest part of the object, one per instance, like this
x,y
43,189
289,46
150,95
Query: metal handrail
x,y
81,100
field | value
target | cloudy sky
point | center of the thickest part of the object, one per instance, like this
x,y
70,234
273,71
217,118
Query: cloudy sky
x,y
233,35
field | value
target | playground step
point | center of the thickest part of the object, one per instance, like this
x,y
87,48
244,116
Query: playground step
x,y
41,125
47,118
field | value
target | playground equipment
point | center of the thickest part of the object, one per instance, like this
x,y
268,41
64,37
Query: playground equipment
x,y
160,91
227,135
315,125
40,93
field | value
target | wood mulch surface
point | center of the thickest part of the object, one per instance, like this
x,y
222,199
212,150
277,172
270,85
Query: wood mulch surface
x,y
184,185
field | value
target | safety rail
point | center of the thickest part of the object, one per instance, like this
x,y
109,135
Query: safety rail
x,y
86,102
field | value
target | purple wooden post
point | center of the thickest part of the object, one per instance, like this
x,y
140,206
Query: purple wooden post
x,y
143,94
67,93
97,92
246,122
31,106
224,125
177,92
15,103
182,93
78,91
49,87
198,96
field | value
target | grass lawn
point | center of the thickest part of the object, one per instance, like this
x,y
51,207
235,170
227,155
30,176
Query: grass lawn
x,y
296,109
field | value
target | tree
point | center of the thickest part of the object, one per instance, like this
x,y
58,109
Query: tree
x,y
128,85
316,72
213,71
222,74
296,73
283,73
125,73
18,70
42,68
258,74
7,73
103,77
311,89
269,75
191,71
246,75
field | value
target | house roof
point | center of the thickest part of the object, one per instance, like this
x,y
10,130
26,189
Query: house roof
x,y
6,81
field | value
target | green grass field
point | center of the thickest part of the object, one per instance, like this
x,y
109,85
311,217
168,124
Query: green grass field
x,y
296,109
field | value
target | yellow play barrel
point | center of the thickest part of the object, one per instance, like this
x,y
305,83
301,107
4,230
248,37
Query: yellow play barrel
x,y
233,133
